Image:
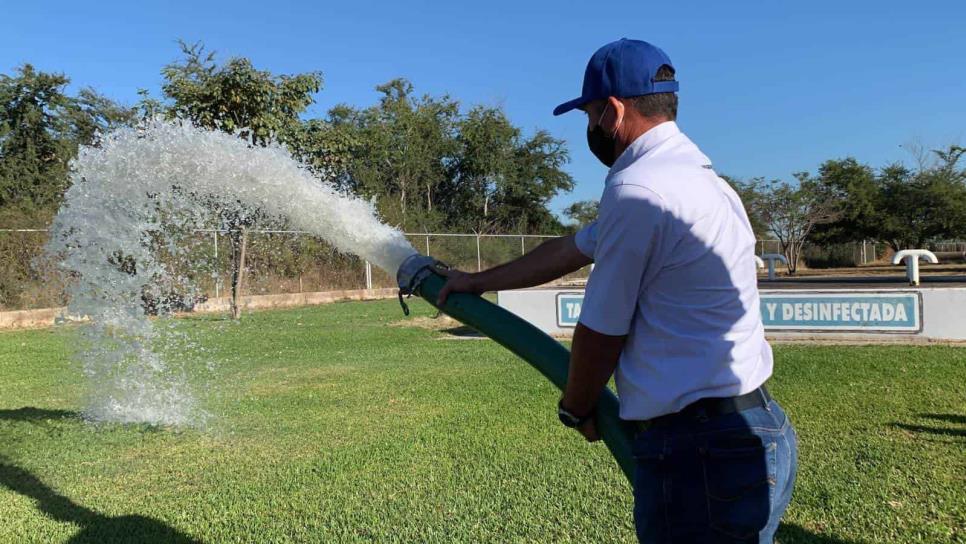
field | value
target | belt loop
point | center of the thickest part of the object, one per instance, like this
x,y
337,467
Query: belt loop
x,y
764,399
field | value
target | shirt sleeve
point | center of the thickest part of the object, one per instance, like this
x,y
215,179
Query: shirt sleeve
x,y
629,231
586,239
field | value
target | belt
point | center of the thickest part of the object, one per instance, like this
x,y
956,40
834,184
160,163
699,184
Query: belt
x,y
709,407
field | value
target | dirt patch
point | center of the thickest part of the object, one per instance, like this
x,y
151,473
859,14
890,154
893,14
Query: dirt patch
x,y
449,328
439,323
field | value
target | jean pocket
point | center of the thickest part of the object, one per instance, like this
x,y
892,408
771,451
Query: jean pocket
x,y
739,479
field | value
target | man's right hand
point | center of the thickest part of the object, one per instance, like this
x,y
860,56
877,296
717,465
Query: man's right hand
x,y
457,282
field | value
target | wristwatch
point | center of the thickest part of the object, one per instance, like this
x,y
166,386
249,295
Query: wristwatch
x,y
569,419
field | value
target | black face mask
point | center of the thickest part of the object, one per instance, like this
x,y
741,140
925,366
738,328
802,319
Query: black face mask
x,y
601,144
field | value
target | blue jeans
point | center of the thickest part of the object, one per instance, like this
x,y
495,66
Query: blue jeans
x,y
714,480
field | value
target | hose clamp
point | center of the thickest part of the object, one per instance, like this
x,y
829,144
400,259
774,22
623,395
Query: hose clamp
x,y
411,273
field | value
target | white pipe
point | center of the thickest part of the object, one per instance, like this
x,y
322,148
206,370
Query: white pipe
x,y
912,256
771,258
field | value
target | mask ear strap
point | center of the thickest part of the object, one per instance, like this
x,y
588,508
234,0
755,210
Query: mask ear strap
x,y
619,122
602,113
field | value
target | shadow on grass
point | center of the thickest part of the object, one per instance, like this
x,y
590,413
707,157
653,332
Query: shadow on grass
x,y
29,413
463,331
95,527
795,534
942,431
949,418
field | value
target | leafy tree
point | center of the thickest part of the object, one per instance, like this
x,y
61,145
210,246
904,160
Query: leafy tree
x,y
791,213
326,149
750,194
399,151
855,187
41,127
237,98
582,212
925,205
501,181
538,176
432,166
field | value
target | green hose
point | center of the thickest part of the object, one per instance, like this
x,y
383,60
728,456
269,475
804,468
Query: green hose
x,y
535,347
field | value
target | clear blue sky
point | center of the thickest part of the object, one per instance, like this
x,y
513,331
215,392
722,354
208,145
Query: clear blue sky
x,y
767,88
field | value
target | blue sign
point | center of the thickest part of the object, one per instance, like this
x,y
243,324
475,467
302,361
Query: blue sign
x,y
568,309
872,311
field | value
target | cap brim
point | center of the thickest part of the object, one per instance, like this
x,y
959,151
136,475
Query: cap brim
x,y
569,105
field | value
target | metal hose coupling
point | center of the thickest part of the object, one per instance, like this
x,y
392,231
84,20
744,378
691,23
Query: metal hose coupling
x,y
411,273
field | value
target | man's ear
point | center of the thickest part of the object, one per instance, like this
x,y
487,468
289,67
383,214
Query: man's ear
x,y
616,113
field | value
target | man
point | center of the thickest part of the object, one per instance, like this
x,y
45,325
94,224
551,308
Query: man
x,y
672,305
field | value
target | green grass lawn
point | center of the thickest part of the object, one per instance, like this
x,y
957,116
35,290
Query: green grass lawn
x,y
333,424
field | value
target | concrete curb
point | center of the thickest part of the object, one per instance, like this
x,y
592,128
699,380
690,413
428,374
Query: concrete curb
x,y
47,317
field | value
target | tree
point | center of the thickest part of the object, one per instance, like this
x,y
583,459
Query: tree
x,y
750,195
501,181
923,205
41,127
791,213
237,98
582,212
854,187
432,166
401,148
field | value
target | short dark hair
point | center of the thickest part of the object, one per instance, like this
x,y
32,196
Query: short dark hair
x,y
658,104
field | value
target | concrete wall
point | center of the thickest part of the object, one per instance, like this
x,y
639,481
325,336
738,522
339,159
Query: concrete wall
x,y
32,319
538,306
45,317
289,300
943,317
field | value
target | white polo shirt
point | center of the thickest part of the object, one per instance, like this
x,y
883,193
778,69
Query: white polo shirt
x,y
674,270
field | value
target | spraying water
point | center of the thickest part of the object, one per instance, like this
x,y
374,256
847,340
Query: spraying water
x,y
132,202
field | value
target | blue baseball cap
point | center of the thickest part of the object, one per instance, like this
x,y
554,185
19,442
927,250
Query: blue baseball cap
x,y
623,69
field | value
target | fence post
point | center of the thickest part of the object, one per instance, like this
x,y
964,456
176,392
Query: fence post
x,y
427,245
523,246
479,257
368,275
217,274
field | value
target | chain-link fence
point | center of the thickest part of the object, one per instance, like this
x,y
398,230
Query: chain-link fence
x,y
285,261
276,262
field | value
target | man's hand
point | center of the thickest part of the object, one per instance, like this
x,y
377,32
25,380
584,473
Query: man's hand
x,y
456,282
593,358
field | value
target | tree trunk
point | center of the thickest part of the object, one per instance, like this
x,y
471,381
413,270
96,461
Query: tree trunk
x,y
239,243
402,197
795,257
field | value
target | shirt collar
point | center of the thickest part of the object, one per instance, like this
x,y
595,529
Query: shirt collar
x,y
645,142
